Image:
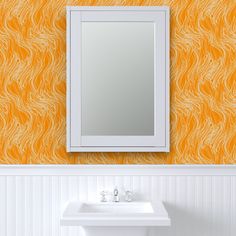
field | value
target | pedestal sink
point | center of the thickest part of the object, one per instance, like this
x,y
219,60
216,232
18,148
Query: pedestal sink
x,y
115,219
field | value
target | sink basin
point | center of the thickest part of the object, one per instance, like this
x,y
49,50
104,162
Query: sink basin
x,y
116,208
115,214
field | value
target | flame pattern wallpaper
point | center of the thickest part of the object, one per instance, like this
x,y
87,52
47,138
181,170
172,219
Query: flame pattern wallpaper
x,y
33,83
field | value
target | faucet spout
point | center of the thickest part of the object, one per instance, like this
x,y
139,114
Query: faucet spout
x,y
116,195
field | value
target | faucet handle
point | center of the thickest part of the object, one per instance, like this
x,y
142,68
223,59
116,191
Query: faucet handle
x,y
103,196
128,196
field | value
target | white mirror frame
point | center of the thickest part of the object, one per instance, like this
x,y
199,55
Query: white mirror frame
x,y
159,142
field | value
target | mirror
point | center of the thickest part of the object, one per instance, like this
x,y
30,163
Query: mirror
x,y
117,79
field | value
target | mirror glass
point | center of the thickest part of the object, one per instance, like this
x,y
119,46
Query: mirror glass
x,y
117,78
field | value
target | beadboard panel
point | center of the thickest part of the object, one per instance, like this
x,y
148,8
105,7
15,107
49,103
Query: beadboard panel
x,y
198,205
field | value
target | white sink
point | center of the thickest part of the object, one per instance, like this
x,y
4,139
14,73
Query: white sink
x,y
110,218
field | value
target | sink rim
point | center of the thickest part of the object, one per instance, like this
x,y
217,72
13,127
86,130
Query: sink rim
x,y
71,215
128,208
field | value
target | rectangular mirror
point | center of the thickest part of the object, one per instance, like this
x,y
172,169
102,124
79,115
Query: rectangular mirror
x,y
117,79
117,83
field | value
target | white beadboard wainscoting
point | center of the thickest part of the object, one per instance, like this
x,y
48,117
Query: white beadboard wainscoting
x,y
200,200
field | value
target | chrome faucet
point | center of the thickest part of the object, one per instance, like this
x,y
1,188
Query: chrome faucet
x,y
116,195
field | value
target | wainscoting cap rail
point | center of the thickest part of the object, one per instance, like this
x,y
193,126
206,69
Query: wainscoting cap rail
x,y
125,170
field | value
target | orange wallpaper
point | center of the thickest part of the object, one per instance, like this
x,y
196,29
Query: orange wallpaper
x,y
33,83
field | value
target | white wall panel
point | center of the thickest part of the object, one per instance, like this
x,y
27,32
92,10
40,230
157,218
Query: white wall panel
x,y
3,207
198,204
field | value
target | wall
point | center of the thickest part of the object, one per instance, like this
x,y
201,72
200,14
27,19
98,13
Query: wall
x,y
201,201
33,84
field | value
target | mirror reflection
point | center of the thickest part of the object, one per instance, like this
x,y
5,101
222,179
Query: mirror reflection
x,y
117,78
